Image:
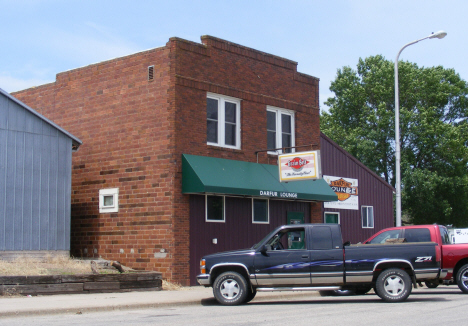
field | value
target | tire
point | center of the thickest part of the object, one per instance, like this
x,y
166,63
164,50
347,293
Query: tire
x,y
431,285
393,285
251,293
230,289
462,278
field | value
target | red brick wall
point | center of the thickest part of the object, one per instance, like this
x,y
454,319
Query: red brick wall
x,y
134,132
123,120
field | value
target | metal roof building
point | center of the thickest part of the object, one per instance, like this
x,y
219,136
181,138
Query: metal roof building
x,y
35,181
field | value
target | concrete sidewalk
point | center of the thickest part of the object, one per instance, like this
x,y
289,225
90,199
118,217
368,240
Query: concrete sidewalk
x,y
82,303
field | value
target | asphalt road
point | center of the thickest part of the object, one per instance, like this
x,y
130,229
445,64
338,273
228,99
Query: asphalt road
x,y
441,306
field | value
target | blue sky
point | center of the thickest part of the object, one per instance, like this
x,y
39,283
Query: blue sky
x,y
41,38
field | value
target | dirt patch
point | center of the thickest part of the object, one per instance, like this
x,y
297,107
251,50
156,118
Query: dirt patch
x,y
47,266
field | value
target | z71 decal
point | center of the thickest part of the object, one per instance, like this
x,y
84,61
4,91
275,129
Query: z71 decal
x,y
423,259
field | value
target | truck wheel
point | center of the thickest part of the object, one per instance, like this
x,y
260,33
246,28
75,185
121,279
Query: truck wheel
x,y
462,278
251,293
393,285
230,288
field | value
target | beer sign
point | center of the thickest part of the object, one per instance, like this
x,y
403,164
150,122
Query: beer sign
x,y
347,191
299,166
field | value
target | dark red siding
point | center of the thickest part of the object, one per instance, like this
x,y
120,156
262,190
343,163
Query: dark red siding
x,y
373,191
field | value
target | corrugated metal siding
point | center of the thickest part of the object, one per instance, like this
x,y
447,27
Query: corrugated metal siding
x,y
35,182
238,231
373,191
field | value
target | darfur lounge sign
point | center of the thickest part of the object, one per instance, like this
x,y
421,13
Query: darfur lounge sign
x,y
299,166
347,191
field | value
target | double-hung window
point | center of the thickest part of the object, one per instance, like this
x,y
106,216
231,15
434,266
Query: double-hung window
x,y
367,213
222,121
280,130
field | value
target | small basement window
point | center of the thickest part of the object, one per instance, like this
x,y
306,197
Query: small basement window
x,y
109,200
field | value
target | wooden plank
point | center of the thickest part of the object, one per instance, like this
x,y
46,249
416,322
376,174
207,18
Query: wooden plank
x,y
147,277
140,284
101,286
43,288
35,279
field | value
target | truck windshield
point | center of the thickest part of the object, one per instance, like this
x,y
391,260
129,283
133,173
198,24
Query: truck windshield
x,y
269,235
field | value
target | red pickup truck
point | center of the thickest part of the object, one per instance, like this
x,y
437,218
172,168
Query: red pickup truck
x,y
454,256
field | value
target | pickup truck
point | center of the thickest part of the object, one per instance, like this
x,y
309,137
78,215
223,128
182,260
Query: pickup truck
x,y
454,257
303,257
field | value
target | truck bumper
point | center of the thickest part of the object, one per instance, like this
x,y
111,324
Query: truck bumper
x,y
204,279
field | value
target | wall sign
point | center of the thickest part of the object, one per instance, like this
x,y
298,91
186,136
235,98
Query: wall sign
x,y
279,194
347,191
299,166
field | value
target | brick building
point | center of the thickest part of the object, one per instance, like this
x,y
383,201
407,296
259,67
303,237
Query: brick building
x,y
150,120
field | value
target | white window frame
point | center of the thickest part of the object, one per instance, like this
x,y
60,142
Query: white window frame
x,y
268,211
114,208
331,213
206,209
367,226
279,131
221,120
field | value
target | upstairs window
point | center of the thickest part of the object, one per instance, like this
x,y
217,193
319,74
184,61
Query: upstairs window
x,y
280,130
222,121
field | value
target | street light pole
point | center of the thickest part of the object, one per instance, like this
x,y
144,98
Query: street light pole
x,y
439,35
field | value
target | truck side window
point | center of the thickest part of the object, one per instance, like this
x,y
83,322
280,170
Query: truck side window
x,y
291,239
321,238
445,235
418,235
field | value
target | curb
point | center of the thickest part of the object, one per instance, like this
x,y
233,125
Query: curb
x,y
207,301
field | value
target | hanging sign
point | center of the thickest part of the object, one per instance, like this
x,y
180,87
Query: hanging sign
x,y
347,191
299,166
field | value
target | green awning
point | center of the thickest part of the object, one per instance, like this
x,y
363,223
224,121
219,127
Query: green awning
x,y
201,174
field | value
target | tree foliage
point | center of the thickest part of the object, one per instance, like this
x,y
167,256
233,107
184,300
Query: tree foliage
x,y
433,129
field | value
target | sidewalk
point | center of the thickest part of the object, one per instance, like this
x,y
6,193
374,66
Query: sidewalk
x,y
82,303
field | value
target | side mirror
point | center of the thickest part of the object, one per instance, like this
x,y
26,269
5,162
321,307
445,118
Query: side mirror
x,y
264,249
347,243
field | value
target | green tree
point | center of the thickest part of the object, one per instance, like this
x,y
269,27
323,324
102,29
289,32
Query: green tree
x,y
433,128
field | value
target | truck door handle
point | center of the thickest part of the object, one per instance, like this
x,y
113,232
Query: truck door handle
x,y
305,256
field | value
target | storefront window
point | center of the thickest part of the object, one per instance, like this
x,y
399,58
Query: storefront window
x,y
214,208
260,211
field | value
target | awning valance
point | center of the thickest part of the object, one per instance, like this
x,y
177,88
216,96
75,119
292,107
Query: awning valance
x,y
201,174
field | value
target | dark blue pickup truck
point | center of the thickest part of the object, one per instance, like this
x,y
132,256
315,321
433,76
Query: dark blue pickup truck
x,y
304,257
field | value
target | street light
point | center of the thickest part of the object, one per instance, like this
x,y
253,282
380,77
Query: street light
x,y
439,34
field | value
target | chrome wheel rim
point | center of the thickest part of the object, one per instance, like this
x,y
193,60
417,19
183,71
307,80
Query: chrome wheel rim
x,y
394,285
464,279
229,289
